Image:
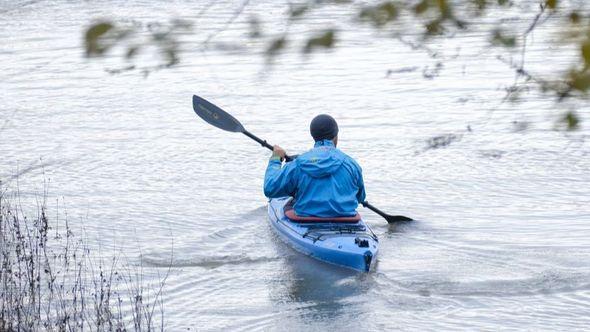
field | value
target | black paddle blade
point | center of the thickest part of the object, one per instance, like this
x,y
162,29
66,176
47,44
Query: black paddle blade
x,y
216,116
395,219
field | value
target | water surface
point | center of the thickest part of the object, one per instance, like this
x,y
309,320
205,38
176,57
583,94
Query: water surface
x,y
501,240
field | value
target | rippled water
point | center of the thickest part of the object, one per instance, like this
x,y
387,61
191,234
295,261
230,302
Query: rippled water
x,y
501,240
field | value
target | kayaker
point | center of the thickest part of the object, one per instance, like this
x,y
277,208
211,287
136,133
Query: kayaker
x,y
325,182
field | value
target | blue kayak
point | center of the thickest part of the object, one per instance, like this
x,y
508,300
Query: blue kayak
x,y
352,245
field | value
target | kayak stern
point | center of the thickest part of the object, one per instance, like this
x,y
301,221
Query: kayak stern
x,y
351,245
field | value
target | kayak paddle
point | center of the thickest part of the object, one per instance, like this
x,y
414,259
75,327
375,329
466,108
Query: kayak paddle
x,y
390,219
223,120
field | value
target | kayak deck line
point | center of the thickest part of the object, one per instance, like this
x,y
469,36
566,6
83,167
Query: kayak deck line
x,y
325,232
320,235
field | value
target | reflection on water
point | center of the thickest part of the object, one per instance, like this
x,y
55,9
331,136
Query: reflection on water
x,y
318,290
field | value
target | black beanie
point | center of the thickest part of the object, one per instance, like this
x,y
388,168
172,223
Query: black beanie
x,y
323,127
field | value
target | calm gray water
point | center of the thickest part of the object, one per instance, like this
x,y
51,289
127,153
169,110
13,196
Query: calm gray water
x,y
502,237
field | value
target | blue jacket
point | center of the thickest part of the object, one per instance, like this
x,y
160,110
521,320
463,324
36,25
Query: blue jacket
x,y
324,181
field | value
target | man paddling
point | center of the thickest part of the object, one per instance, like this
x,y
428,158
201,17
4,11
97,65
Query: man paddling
x,y
325,182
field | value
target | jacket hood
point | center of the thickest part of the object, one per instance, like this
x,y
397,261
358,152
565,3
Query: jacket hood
x,y
321,161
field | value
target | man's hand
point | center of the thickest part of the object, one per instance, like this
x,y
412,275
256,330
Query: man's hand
x,y
279,152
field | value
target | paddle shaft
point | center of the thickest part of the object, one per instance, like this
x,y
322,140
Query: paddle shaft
x,y
257,139
390,219
374,209
263,143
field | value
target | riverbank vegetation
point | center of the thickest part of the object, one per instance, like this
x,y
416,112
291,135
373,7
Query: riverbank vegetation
x,y
51,280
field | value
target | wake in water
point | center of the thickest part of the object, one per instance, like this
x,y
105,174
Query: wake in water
x,y
242,241
547,282
208,262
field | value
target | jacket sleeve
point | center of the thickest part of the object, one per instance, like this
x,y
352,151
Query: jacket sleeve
x,y
279,182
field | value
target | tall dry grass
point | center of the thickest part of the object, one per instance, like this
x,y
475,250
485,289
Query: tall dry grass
x,y
51,280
